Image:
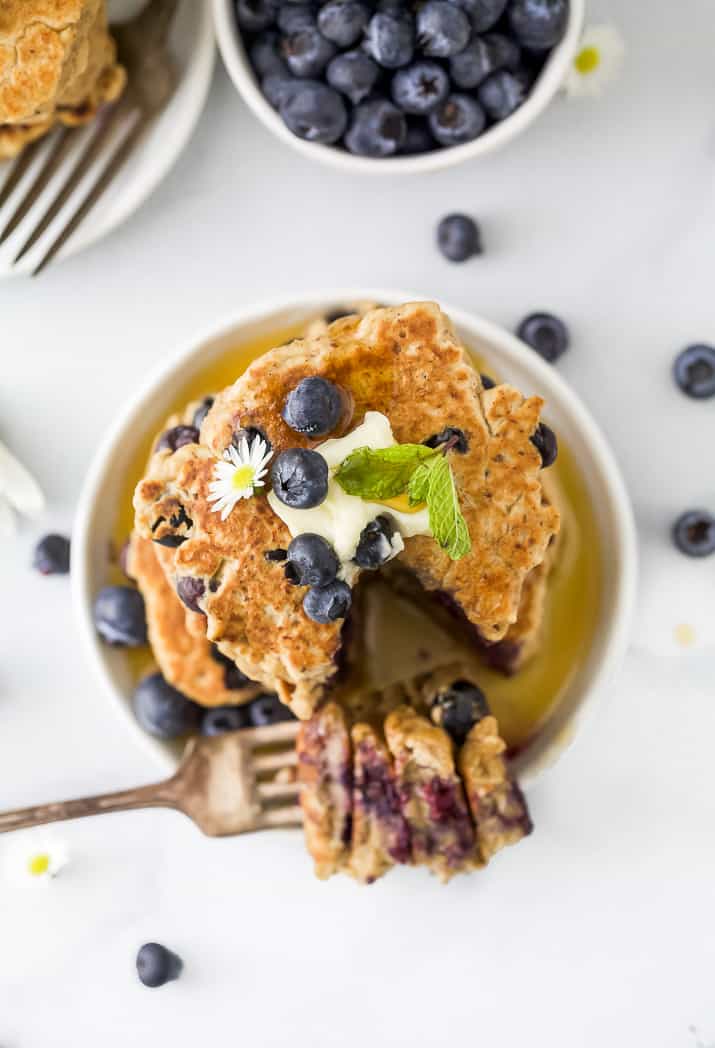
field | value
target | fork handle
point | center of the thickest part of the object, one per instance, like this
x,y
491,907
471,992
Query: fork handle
x,y
157,795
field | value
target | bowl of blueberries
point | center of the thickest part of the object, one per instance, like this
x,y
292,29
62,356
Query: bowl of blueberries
x,y
397,85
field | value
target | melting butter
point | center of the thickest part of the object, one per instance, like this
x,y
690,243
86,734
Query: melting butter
x,y
340,518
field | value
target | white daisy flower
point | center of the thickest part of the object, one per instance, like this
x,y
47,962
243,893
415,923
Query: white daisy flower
x,y
597,61
35,857
241,472
18,490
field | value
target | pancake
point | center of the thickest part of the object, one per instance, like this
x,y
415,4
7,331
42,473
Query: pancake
x,y
406,363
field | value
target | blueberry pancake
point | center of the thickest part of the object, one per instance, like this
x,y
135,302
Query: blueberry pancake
x,y
392,377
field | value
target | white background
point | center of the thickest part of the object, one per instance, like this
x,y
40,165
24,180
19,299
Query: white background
x,y
599,929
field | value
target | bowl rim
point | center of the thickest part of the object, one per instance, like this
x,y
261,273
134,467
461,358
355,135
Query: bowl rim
x,y
546,86
547,746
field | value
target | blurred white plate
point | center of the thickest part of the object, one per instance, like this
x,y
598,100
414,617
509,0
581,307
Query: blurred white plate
x,y
192,44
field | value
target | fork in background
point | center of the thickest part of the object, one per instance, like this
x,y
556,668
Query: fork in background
x,y
151,81
227,784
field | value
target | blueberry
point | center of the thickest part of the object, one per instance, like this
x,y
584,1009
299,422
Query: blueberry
x,y
694,533
694,371
254,15
544,440
487,382
177,437
538,24
420,87
156,965
190,590
119,616
52,555
459,119
378,129
315,112
294,17
375,545
314,407
418,139
233,678
279,88
307,52
311,561
458,237
443,29
343,21
276,554
300,478
201,412
390,39
268,709
545,333
328,603
483,14
482,57
249,433
162,710
220,719
452,435
459,708
502,93
354,74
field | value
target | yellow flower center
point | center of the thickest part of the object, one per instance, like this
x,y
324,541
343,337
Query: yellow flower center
x,y
243,477
587,60
38,864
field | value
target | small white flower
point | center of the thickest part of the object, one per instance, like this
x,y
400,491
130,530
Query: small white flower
x,y
34,857
18,490
597,61
241,472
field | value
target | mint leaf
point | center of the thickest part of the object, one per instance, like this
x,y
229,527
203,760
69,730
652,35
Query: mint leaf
x,y
447,524
381,473
419,482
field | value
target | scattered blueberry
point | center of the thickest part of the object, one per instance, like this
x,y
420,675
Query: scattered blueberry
x,y
314,407
162,710
487,382
52,555
307,52
483,56
459,708
502,93
694,371
458,237
538,24
694,533
544,440
177,437
311,561
328,603
545,333
190,590
220,719
443,29
378,129
483,14
119,616
294,17
354,74
375,546
459,119
418,139
420,87
343,21
300,478
202,411
156,965
451,435
268,709
390,39
315,112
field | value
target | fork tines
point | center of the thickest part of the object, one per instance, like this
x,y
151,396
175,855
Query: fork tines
x,y
272,751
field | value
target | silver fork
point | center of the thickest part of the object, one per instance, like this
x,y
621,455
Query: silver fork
x,y
151,81
228,784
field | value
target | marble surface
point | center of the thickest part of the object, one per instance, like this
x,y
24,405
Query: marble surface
x,y
598,930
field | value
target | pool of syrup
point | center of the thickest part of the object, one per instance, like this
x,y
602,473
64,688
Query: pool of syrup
x,y
402,640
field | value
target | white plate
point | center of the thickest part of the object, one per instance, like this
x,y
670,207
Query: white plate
x,y
192,44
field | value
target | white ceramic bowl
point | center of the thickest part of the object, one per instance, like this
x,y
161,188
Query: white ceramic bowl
x,y
512,361
549,81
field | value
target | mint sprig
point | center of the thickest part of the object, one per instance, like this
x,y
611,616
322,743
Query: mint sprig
x,y
380,473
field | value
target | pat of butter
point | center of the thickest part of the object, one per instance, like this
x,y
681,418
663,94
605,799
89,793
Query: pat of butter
x,y
340,518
